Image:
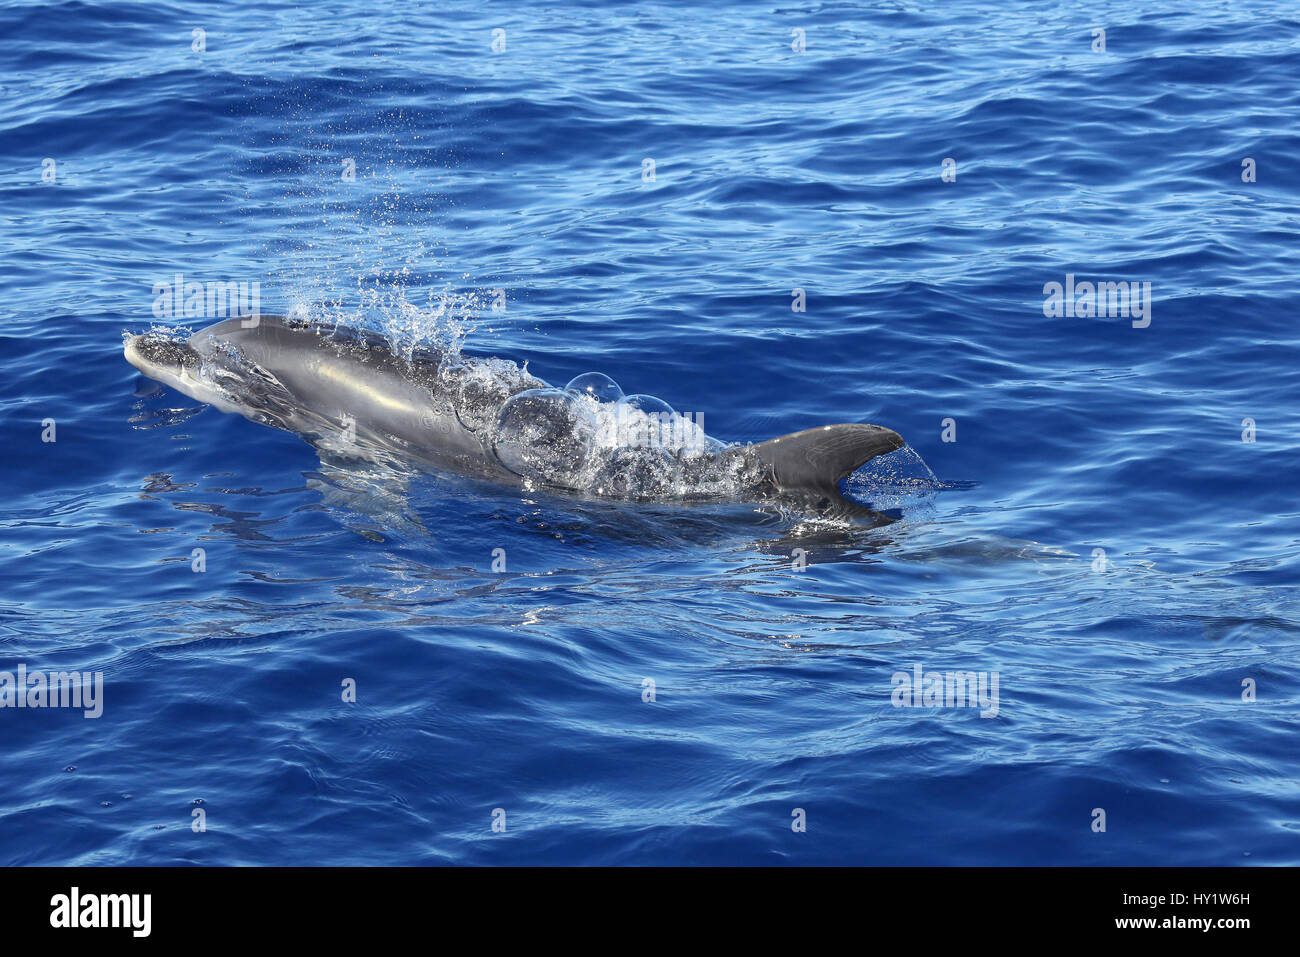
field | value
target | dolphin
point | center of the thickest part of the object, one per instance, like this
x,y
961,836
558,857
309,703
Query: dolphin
x,y
485,417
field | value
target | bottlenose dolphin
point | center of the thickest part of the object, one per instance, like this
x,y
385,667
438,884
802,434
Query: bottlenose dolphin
x,y
490,418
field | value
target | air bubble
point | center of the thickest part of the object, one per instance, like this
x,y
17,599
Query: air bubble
x,y
649,404
546,435
595,385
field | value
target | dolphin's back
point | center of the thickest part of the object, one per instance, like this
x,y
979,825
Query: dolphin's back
x,y
276,342
317,379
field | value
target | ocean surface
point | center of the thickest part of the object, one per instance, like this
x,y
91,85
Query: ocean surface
x,y
776,217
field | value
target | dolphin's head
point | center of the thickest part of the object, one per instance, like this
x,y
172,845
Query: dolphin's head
x,y
173,362
161,357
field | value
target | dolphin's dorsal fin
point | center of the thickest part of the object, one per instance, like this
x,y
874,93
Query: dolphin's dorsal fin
x,y
819,459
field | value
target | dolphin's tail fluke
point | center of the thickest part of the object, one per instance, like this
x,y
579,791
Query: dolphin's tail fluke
x,y
817,460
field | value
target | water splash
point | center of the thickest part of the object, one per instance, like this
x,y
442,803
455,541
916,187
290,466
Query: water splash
x,y
897,482
441,323
615,449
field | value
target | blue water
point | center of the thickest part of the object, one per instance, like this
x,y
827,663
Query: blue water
x,y
1120,672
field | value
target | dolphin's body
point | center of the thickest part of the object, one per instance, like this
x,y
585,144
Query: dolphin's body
x,y
446,411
